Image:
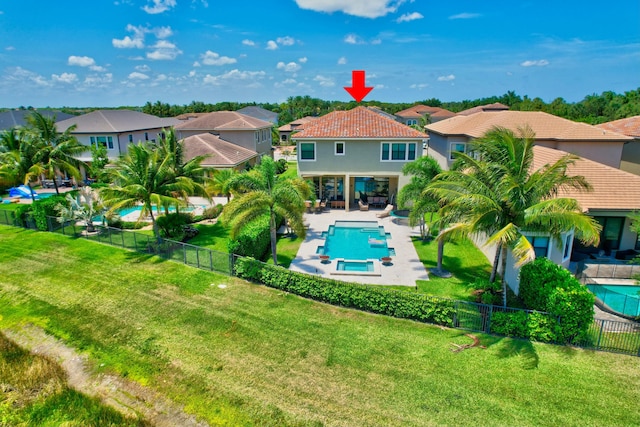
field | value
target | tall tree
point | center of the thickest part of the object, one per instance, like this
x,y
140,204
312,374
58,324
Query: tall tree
x,y
495,192
18,160
55,151
219,182
144,176
260,192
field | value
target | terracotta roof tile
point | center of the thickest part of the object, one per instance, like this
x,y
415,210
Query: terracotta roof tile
x,y
357,123
418,111
545,126
223,120
613,189
629,126
221,153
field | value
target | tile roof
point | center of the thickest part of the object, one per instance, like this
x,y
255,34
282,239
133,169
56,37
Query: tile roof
x,y
13,118
357,123
489,108
613,189
546,126
221,153
218,120
190,116
296,124
418,111
259,113
629,126
115,121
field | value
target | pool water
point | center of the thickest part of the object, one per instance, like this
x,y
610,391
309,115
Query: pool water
x,y
355,266
624,299
356,240
127,211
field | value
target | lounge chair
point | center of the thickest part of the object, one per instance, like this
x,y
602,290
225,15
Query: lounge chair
x,y
363,206
386,212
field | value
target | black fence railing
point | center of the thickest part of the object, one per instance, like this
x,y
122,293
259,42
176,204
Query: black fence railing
x,y
604,335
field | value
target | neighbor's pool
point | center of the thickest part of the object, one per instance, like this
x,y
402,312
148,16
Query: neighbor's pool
x,y
624,299
356,240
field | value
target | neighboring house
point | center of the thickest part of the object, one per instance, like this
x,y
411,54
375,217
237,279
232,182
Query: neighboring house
x,y
350,154
383,113
411,116
455,134
260,113
115,129
631,150
220,154
615,194
239,129
17,118
489,108
285,131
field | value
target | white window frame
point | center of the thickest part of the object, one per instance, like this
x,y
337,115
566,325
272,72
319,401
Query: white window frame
x,y
532,240
451,150
568,247
315,152
335,148
406,151
108,141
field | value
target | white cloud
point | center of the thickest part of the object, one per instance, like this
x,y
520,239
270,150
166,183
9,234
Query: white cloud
x,y
419,86
271,45
537,63
159,6
362,8
465,15
161,77
81,61
248,42
137,39
164,50
138,76
162,32
448,78
303,60
98,81
64,77
233,75
353,39
291,67
324,81
285,41
128,43
213,58
409,17
143,68
9,48
342,60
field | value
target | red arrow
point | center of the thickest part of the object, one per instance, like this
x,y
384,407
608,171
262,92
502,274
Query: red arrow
x,y
358,90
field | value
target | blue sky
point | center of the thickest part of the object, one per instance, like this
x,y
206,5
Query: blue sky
x,y
127,52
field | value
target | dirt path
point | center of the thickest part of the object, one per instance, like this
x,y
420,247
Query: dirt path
x,y
128,397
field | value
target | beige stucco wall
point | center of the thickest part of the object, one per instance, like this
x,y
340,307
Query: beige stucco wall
x,y
631,157
605,152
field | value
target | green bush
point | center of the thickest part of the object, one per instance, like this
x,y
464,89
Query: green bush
x,y
406,305
281,166
117,222
545,286
41,209
172,226
254,240
511,324
212,211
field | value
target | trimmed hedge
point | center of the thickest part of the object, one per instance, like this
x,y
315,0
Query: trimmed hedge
x,y
546,286
253,241
533,325
405,305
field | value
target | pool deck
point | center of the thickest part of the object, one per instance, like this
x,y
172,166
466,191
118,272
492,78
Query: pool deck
x,y
405,267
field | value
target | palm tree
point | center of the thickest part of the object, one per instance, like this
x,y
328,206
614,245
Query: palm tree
x,y
495,192
219,182
84,207
18,160
55,151
261,192
144,176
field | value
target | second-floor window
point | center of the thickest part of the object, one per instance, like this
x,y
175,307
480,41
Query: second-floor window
x,y
540,245
412,122
307,151
105,141
457,147
398,151
339,148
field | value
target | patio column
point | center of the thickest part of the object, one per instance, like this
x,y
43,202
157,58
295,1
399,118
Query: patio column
x,y
347,192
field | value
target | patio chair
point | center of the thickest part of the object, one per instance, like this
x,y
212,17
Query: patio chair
x,y
386,212
307,203
363,206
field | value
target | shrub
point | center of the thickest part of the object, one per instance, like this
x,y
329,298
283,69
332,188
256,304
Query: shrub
x,y
212,212
406,305
281,166
41,209
545,286
172,226
511,324
117,222
254,240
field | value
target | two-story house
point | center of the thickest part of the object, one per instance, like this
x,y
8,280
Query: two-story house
x,y
413,115
115,130
348,154
239,129
631,151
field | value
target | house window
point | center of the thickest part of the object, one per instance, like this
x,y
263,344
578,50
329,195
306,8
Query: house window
x,y
257,137
283,137
456,147
130,138
146,136
308,151
105,141
398,151
540,245
567,246
411,122
339,148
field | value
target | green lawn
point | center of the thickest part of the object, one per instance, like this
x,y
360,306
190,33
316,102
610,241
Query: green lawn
x,y
242,354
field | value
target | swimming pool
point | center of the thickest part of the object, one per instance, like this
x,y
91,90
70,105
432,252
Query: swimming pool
x,y
356,240
624,299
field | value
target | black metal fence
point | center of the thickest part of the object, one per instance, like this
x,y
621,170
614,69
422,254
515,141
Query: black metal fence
x,y
604,335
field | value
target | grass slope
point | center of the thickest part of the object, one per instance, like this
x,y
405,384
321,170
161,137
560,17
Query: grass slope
x,y
242,354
